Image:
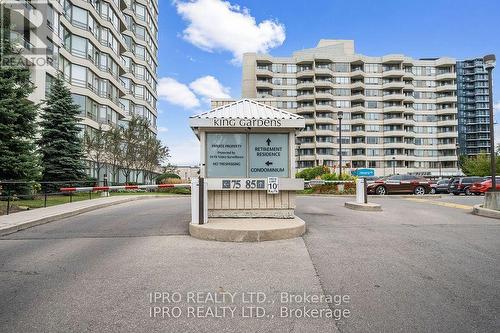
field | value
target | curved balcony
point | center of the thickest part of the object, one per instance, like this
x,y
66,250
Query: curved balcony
x,y
446,111
263,72
358,85
446,76
393,58
305,133
325,107
264,84
395,121
325,145
393,97
305,97
408,87
358,109
305,109
445,62
324,84
451,122
446,100
307,145
409,99
451,134
357,98
306,157
446,87
394,145
325,120
358,121
393,85
358,133
323,95
397,108
408,75
325,133
305,85
397,133
358,73
323,71
408,110
393,73
305,73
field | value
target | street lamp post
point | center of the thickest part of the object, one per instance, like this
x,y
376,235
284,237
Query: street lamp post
x,y
393,165
340,115
489,64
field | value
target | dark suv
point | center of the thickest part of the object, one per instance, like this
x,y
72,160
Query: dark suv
x,y
462,184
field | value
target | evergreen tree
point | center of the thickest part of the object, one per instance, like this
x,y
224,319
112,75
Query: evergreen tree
x,y
59,145
17,116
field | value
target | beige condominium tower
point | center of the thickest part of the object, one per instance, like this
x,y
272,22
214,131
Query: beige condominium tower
x,y
399,113
107,51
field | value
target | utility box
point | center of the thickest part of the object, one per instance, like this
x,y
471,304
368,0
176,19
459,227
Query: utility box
x,y
247,157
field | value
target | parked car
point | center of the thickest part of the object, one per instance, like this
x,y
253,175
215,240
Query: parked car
x,y
371,179
399,184
460,185
479,188
441,186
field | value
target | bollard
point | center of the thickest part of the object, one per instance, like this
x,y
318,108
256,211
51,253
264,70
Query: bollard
x,y
360,191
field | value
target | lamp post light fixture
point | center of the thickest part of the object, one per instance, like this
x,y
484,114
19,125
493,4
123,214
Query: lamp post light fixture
x,y
489,64
393,165
340,115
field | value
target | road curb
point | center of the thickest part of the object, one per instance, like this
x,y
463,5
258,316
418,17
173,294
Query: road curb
x,y
367,207
9,229
248,230
479,210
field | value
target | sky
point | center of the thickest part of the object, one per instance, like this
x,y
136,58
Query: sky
x,y
201,43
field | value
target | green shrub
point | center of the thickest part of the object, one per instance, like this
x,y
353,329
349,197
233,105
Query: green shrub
x,y
312,173
168,175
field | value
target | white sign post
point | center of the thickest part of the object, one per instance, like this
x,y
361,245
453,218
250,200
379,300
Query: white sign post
x,y
273,186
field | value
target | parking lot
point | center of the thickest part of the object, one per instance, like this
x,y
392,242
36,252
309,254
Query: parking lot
x,y
422,264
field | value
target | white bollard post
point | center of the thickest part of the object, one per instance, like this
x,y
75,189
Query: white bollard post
x,y
360,191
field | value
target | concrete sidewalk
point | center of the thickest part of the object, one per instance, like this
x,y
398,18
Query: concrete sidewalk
x,y
22,220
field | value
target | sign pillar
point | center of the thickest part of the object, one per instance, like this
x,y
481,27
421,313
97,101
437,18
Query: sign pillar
x,y
248,163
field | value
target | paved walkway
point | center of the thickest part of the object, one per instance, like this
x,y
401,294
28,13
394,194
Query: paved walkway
x,y
22,220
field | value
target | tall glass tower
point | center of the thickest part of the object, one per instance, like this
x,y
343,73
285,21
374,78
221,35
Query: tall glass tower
x,y
472,103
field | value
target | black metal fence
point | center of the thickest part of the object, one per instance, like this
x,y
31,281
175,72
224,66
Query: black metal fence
x,y
22,195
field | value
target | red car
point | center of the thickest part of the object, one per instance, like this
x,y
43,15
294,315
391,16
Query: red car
x,y
482,187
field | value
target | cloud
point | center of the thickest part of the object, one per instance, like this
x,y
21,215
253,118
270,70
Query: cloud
x,y
177,93
209,88
188,96
496,106
216,25
162,129
186,152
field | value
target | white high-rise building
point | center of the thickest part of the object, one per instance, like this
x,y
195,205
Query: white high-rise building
x,y
107,51
399,113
